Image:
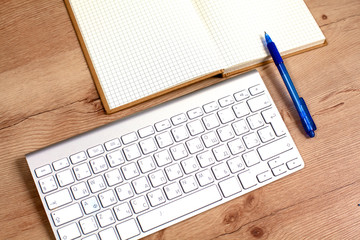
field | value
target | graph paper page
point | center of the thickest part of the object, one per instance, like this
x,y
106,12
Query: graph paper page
x,y
238,26
139,48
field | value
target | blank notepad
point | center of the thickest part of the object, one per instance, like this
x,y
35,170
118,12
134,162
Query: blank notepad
x,y
138,49
238,26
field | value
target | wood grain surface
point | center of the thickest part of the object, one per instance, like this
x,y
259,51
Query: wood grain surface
x,y
47,95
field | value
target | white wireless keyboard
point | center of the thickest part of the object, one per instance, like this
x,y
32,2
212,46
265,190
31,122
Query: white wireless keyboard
x,y
146,172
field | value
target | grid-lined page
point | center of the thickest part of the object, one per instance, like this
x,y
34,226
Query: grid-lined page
x,y
238,26
139,48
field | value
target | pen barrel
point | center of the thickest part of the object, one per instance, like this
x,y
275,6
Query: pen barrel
x,y
290,86
274,53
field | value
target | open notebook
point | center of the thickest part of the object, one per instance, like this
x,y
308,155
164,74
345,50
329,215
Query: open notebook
x,y
137,50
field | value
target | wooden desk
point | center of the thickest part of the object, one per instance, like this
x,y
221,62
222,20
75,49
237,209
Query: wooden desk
x,y
47,95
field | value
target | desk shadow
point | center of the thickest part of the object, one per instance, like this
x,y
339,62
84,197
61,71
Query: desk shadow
x,y
24,171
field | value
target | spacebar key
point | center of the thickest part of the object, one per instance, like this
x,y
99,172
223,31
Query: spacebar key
x,y
179,208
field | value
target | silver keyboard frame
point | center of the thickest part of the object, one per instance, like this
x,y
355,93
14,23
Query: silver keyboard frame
x,y
142,119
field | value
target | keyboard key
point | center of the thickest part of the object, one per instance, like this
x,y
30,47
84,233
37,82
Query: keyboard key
x,y
78,157
156,197
113,177
189,165
148,146
105,218
204,177
279,170
139,204
81,171
141,185
58,199
60,164
162,125
275,162
226,101
225,133
172,191
230,187
108,234
164,139
146,164
115,158
130,171
206,159
257,89
274,148
294,163
236,146
90,205
247,179
178,151
211,121
79,190
122,211
258,103
194,145
65,178
266,134
42,171
210,107
91,237
262,177
180,133
131,152
241,110
66,214
98,165
88,225
179,208
146,131
129,138
226,115
251,140
162,158
157,178
95,151
178,119
188,184
241,95
96,184
47,184
69,232
124,191
112,144
220,171
127,229
107,198
221,152
173,172
240,127
194,113
255,121
210,139
195,127
236,164
270,116
251,158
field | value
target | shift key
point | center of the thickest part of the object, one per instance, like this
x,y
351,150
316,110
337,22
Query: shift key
x,y
66,214
274,148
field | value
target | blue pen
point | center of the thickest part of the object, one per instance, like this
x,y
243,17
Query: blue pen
x,y
306,119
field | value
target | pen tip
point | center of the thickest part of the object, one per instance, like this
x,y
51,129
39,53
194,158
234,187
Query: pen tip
x,y
267,37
